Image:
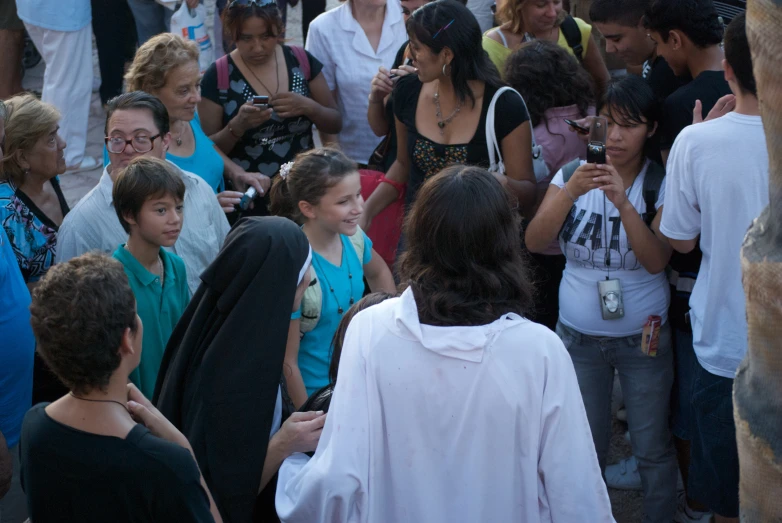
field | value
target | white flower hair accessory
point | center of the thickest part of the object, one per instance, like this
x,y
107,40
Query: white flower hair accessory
x,y
285,169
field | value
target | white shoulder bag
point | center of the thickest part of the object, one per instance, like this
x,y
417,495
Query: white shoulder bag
x,y
495,154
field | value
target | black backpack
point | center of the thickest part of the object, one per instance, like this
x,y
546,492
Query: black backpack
x,y
572,34
651,189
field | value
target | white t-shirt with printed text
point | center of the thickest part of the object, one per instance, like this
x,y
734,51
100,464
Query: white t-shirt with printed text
x,y
717,184
581,240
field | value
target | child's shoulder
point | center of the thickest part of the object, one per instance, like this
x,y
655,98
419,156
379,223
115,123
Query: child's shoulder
x,y
177,263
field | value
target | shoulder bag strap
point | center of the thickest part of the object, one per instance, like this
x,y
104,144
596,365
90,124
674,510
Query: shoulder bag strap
x,y
222,77
304,61
569,168
651,190
572,34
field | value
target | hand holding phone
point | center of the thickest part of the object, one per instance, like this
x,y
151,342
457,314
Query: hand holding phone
x,y
261,101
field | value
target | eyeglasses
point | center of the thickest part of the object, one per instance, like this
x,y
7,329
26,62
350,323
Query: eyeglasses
x,y
248,3
140,144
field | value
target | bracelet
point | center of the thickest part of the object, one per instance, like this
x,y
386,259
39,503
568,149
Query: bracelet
x,y
237,136
568,194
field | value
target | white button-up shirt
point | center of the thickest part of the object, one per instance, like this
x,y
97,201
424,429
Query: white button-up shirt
x,y
349,64
93,225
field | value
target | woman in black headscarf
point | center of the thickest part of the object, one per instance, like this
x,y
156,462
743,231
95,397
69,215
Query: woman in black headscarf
x,y
220,379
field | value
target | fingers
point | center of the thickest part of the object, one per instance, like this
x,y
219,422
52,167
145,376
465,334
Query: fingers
x,y
404,70
144,416
137,396
697,112
305,416
229,199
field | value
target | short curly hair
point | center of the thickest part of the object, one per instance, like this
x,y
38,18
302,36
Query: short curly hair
x,y
156,58
27,120
79,313
547,76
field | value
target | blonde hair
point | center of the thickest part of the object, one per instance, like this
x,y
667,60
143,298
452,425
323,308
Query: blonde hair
x,y
509,11
156,58
27,120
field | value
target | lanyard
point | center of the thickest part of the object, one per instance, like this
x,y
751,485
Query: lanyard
x,y
605,229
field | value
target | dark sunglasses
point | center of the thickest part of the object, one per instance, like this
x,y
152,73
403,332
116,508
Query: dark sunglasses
x,y
249,3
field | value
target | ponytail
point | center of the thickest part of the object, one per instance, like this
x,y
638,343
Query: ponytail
x,y
307,179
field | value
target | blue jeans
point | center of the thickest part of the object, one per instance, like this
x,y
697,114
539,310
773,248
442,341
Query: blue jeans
x,y
646,385
714,468
685,363
151,19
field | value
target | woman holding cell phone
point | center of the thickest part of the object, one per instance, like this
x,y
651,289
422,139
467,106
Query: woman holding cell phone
x,y
614,295
260,101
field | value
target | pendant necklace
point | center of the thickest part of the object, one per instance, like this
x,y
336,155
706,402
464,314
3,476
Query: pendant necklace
x,y
178,139
276,75
99,401
340,310
441,123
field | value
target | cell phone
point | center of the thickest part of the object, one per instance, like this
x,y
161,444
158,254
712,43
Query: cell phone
x,y
596,148
578,128
392,76
261,101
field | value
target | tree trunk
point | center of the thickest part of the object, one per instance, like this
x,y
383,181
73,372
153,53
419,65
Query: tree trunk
x,y
757,393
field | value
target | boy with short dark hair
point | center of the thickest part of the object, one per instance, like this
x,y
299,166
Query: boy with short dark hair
x,y
688,34
712,195
621,22
148,196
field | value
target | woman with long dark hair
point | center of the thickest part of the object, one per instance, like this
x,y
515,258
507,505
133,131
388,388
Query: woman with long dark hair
x,y
614,294
450,406
441,112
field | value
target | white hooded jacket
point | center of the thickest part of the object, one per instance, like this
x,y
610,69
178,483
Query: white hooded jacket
x,y
448,424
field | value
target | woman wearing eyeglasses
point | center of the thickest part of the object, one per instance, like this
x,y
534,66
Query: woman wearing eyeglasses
x,y
262,135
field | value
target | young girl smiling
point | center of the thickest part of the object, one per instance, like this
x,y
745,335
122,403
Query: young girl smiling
x,y
321,190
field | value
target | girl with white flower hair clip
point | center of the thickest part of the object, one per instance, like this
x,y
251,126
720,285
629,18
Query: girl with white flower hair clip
x,y
321,191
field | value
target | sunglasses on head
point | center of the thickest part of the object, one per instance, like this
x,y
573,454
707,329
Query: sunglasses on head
x,y
249,3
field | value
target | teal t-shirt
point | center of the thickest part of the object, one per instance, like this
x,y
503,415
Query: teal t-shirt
x,y
205,161
159,308
315,346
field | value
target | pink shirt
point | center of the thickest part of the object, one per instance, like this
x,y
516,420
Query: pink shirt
x,y
560,146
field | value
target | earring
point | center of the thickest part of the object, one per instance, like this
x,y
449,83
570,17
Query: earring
x,y
444,73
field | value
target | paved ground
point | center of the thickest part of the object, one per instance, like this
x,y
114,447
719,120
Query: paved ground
x,y
627,505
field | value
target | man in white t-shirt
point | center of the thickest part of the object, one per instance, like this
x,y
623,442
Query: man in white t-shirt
x,y
717,183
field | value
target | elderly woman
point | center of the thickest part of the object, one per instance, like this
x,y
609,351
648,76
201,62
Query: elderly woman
x,y
352,41
32,205
166,66
264,138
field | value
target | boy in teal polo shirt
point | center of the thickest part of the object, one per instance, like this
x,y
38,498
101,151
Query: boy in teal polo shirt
x,y
148,198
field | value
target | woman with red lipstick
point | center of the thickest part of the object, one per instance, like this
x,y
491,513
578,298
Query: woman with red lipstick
x,y
263,137
614,295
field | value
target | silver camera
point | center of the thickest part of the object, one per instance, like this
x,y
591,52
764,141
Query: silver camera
x,y
611,300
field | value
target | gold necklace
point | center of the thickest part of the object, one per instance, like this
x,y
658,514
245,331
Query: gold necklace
x,y
441,123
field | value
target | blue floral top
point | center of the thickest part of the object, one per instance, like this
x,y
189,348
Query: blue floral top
x,y
32,234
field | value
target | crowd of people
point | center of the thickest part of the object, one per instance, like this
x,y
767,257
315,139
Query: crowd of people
x,y
210,334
